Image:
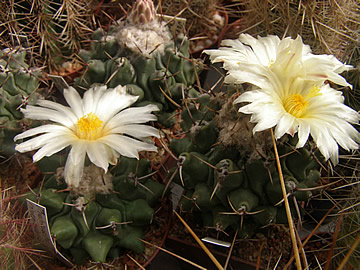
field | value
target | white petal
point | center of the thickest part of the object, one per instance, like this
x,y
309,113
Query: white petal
x,y
303,133
258,47
41,129
284,125
253,96
270,43
326,144
51,147
73,98
343,140
133,115
112,154
91,98
41,140
265,121
61,109
137,130
40,113
98,155
74,166
242,76
113,101
127,146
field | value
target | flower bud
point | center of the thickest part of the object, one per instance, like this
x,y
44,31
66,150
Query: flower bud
x,y
143,12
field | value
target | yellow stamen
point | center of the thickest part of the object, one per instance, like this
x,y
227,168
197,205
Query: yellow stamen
x,y
272,61
314,91
89,127
297,104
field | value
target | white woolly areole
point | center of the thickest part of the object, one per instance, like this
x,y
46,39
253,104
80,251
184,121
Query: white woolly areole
x,y
144,39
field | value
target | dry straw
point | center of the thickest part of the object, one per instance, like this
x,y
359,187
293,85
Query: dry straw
x,y
328,26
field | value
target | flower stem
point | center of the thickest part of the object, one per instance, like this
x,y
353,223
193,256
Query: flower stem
x,y
201,244
287,207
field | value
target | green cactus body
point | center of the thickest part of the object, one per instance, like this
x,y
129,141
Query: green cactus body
x,y
247,228
193,165
91,210
135,90
274,193
18,86
266,215
79,255
186,203
121,72
107,216
225,180
66,209
160,82
52,200
203,136
302,195
95,223
201,196
153,191
181,145
222,219
97,245
243,200
182,178
127,187
244,186
64,231
258,177
116,59
299,163
312,178
139,212
131,239
220,152
111,201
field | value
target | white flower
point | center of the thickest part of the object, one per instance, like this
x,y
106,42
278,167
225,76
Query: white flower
x,y
251,60
304,108
290,91
100,126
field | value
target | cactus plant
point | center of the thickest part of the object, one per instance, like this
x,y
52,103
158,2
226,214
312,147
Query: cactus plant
x,y
105,214
140,54
235,184
54,29
18,86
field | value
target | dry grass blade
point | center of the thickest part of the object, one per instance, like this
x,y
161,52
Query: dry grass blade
x,y
169,182
169,98
347,257
230,251
302,251
259,256
335,237
15,235
136,262
287,207
203,161
201,244
173,254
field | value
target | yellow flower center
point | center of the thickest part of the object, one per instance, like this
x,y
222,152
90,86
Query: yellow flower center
x,y
297,104
89,127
